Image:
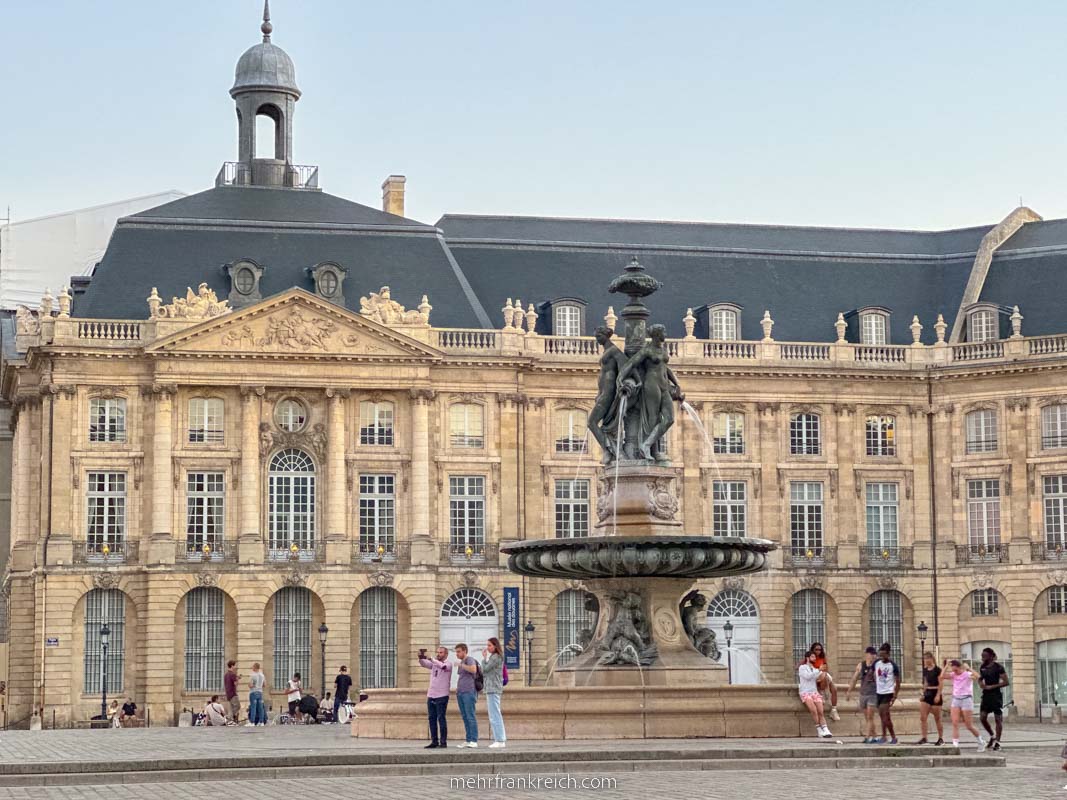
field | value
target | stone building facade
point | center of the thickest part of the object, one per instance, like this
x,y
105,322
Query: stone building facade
x,y
288,444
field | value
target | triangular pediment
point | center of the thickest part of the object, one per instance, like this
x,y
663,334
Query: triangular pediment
x,y
295,324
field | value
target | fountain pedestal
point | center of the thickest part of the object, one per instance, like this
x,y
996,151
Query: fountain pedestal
x,y
638,498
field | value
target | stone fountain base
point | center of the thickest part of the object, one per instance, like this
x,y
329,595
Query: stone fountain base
x,y
638,499
669,660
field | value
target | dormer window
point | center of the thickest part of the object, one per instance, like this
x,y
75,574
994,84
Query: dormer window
x,y
329,280
873,328
244,282
724,323
983,325
564,316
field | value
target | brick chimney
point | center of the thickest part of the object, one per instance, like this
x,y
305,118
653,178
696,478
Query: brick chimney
x,y
393,195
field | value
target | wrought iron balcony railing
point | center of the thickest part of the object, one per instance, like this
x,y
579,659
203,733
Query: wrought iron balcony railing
x,y
209,551
381,552
812,556
874,557
267,172
460,553
981,553
105,553
1048,551
296,553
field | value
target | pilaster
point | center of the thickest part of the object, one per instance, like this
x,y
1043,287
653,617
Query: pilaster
x,y
161,545
336,505
422,545
250,542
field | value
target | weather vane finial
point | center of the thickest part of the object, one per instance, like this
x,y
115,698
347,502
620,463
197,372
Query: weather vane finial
x,y
266,27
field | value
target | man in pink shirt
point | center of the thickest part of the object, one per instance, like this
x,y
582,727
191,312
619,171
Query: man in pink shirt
x,y
437,695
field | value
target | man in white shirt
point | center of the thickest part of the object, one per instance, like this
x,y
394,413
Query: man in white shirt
x,y
214,713
293,696
887,684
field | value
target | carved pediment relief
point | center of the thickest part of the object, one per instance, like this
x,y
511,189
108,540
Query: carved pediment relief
x,y
295,324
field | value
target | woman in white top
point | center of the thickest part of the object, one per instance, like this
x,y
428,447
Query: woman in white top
x,y
810,695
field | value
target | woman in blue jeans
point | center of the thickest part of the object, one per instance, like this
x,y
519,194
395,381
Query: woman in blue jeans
x,y
257,682
493,678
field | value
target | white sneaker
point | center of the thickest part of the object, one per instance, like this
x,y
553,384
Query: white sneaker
x,y
249,725
472,744
826,732
461,744
981,744
834,715
818,730
955,742
496,744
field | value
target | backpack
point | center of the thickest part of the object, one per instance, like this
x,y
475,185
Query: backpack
x,y
479,679
504,675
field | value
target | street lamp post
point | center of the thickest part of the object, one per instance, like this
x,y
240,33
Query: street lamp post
x,y
922,628
323,630
529,631
728,630
105,634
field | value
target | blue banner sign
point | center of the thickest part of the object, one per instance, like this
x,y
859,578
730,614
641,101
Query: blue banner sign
x,y
511,627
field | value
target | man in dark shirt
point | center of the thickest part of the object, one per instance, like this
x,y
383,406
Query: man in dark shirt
x,y
229,681
128,718
993,678
343,682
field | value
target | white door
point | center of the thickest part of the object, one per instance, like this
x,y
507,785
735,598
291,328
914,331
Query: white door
x,y
468,616
739,609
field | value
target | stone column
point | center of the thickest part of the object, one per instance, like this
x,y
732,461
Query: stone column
x,y
1016,444
511,406
44,464
848,504
947,489
774,508
60,546
22,540
422,544
161,546
250,544
336,496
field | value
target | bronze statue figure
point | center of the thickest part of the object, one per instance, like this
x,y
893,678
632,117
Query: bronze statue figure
x,y
694,608
628,639
603,419
651,388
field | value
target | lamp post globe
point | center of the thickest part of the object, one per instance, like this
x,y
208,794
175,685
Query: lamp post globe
x,y
323,630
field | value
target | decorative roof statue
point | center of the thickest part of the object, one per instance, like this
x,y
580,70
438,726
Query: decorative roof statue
x,y
382,308
201,305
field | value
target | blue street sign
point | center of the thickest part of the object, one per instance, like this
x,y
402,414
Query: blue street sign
x,y
511,628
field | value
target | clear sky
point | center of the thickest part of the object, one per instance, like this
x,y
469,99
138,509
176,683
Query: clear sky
x,y
896,114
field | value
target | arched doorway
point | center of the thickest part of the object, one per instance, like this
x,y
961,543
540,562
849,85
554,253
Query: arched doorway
x,y
740,610
469,616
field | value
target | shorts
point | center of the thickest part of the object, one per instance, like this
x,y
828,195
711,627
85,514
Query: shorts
x,y
293,706
884,699
965,703
815,697
868,701
993,704
235,706
929,698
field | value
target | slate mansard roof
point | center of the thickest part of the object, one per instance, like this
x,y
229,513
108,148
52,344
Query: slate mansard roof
x,y
470,265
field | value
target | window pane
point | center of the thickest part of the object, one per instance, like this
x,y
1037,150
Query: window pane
x,y
981,431
724,324
804,435
107,420
292,635
728,434
376,423
1053,427
377,638
881,436
105,605
572,508
728,509
809,621
206,420
466,425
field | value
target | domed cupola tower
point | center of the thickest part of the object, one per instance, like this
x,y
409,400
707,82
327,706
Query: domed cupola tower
x,y
265,85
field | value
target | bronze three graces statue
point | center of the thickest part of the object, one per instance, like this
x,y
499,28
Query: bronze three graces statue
x,y
650,389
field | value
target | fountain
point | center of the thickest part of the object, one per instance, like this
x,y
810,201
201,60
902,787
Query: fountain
x,y
652,629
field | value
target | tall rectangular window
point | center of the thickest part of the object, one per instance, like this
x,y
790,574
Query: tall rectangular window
x,y
568,321
809,621
377,515
377,638
872,329
882,514
466,425
292,635
205,497
1057,599
981,431
983,515
806,518
1055,487
724,325
466,513
881,436
985,603
982,326
885,611
105,605
206,420
107,419
572,508
1053,427
571,430
376,423
728,434
804,435
105,511
728,508
205,653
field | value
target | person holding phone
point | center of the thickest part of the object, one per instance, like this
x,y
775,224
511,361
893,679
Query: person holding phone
x,y
808,675
493,672
437,695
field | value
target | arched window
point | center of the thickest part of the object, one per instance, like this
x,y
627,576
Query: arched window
x,y
804,434
873,328
466,425
1053,427
469,616
881,435
985,603
377,638
107,419
809,621
205,654
982,326
292,634
737,608
468,604
269,132
567,321
576,617
571,432
291,511
206,420
981,430
731,603
724,324
376,423
885,611
105,605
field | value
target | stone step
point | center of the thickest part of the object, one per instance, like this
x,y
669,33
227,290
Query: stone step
x,y
515,764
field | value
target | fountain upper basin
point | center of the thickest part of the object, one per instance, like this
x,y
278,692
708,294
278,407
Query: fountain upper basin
x,y
638,556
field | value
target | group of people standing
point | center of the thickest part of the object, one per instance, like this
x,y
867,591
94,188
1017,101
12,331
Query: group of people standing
x,y
489,678
879,686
